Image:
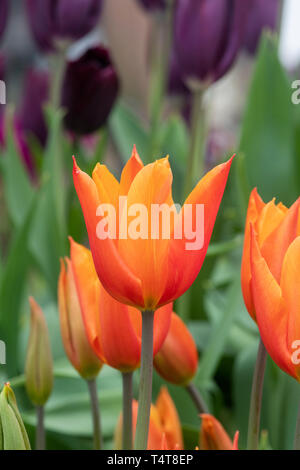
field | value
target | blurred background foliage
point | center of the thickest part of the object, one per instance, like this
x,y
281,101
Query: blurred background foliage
x,y
36,219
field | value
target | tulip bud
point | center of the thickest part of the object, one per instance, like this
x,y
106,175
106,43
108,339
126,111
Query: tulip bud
x,y
177,361
39,365
263,15
208,37
74,337
35,95
214,437
153,4
64,20
13,435
3,15
89,91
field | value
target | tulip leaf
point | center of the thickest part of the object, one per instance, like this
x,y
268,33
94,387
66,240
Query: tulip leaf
x,y
267,136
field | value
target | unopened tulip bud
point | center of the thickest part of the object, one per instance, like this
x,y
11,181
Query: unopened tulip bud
x,y
13,435
263,14
74,336
177,361
39,365
214,437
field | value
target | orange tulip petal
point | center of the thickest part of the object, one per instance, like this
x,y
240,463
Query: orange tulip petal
x,y
130,170
113,273
107,185
213,436
184,265
169,419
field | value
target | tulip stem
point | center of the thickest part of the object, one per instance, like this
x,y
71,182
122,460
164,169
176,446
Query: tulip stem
x,y
145,389
40,443
256,398
197,398
58,71
127,411
196,156
92,386
297,434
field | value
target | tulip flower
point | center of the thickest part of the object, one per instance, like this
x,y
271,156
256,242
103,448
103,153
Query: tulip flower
x,y
263,14
177,361
3,15
90,89
113,329
30,114
64,20
13,435
146,272
153,4
214,437
275,226
208,37
164,430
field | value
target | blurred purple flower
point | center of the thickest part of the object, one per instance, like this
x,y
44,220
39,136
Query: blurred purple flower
x,y
3,15
89,91
63,19
31,113
263,14
176,84
153,4
208,36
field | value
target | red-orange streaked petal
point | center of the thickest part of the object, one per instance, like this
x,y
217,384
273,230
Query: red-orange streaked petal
x,y
107,185
177,361
236,441
290,287
184,265
280,239
130,170
255,207
146,257
270,309
112,271
269,218
169,419
213,436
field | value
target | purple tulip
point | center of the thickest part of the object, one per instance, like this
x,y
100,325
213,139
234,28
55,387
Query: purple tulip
x,y
89,91
31,113
208,36
263,14
63,19
3,15
153,4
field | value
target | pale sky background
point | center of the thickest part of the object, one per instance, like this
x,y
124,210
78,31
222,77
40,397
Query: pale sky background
x,y
290,39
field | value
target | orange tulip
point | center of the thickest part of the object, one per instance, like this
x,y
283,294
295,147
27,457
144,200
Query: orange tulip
x,y
177,361
164,429
113,329
277,304
275,227
214,437
146,271
74,337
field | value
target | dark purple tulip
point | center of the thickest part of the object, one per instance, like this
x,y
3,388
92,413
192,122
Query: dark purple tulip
x,y
3,15
176,85
63,19
89,91
31,113
208,36
153,4
263,15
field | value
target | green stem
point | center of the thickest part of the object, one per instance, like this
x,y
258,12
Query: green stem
x,y
127,411
256,398
196,156
58,71
297,433
197,398
92,386
145,390
40,443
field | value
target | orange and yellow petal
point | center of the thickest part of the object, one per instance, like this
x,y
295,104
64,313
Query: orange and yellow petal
x,y
169,419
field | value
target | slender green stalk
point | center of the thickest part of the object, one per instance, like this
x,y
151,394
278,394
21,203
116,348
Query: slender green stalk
x,y
127,411
256,398
196,156
145,390
197,398
40,439
92,386
297,433
58,63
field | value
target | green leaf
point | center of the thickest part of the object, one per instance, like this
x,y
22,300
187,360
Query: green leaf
x,y
267,137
